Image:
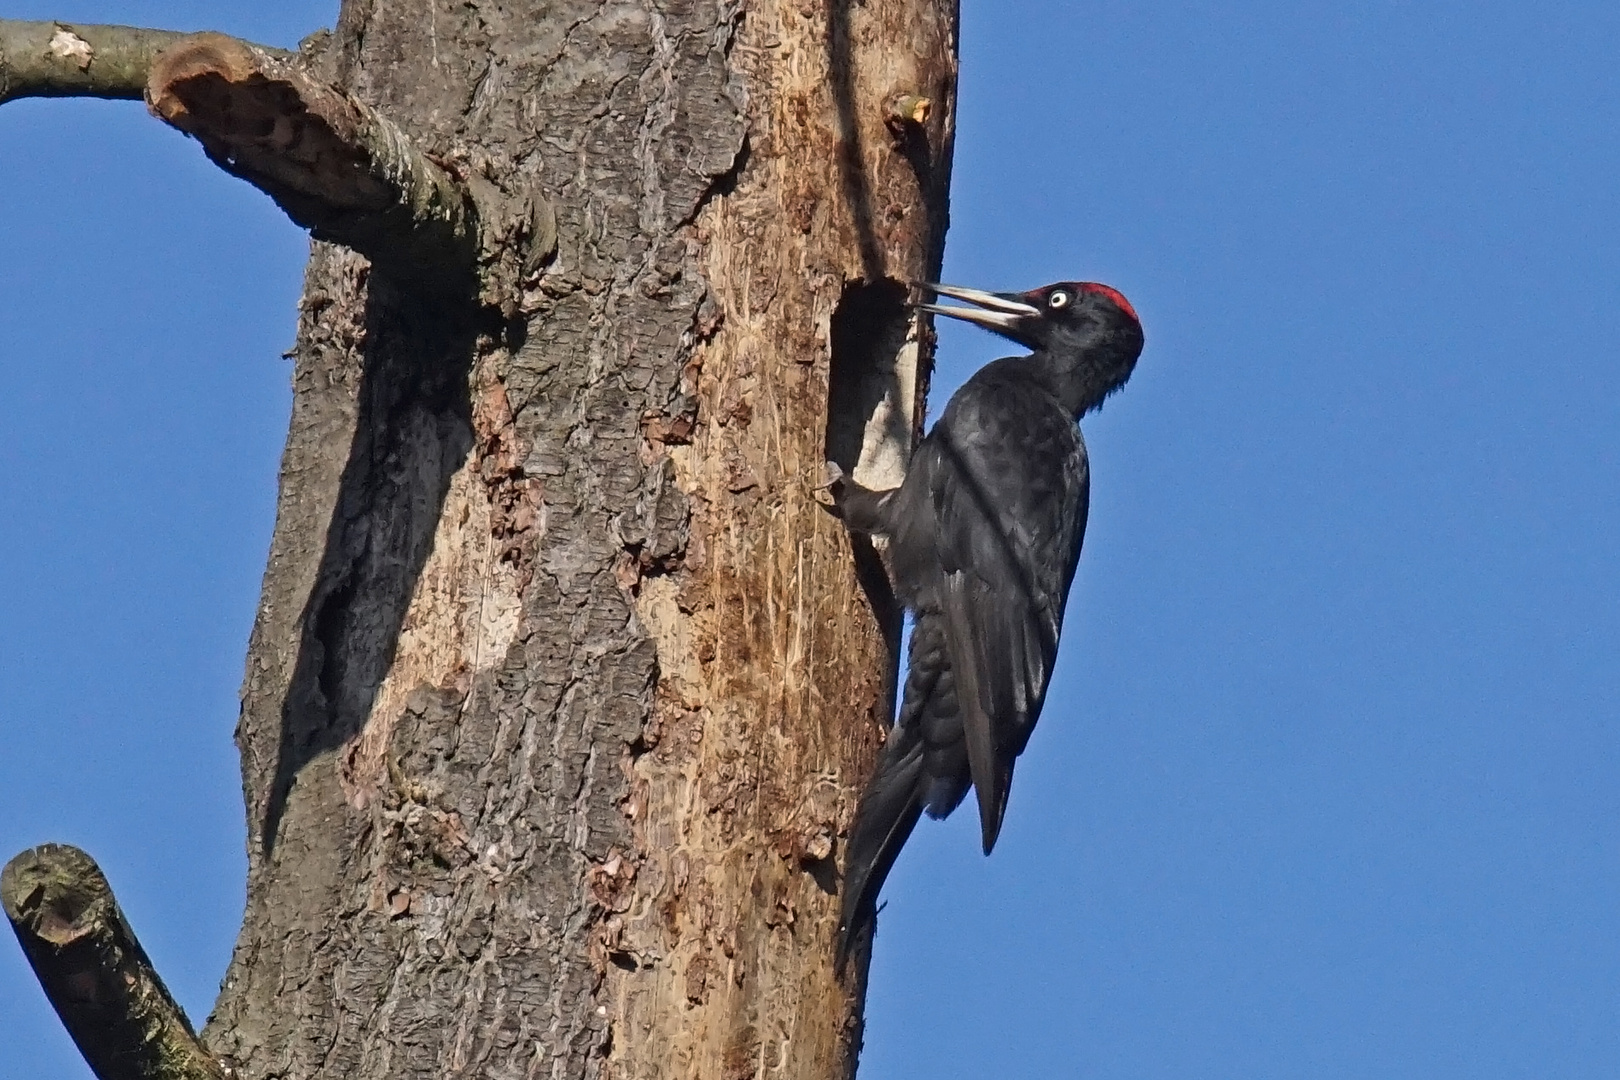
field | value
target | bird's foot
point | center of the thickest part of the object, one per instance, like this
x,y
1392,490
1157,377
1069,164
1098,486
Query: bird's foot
x,y
830,492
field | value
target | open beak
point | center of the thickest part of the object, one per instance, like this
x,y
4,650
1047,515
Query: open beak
x,y
1004,313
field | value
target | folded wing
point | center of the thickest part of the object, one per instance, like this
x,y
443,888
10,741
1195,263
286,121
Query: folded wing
x,y
1008,529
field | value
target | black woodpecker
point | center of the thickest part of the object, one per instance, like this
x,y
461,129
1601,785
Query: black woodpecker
x,y
984,535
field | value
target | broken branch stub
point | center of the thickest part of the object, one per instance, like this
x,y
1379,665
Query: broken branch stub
x,y
96,975
335,165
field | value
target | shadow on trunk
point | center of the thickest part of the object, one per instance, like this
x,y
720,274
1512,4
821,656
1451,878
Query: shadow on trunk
x,y
412,432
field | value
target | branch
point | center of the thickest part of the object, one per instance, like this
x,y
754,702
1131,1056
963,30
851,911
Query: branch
x,y
335,165
95,973
52,59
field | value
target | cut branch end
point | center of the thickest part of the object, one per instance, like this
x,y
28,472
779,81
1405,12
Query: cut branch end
x,y
96,975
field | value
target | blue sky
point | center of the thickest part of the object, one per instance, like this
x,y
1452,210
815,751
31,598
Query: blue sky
x,y
1326,785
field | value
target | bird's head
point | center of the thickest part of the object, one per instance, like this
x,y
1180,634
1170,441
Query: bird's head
x,y
1086,334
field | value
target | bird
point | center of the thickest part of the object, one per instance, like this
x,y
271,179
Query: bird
x,y
983,537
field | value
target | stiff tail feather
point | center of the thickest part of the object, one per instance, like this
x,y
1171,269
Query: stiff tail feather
x,y
889,810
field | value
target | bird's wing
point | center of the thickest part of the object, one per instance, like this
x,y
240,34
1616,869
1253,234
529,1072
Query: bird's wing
x,y
1009,515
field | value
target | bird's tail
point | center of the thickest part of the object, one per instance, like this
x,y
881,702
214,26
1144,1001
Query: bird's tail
x,y
888,811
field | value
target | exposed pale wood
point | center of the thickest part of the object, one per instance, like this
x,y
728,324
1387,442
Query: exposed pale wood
x,y
774,679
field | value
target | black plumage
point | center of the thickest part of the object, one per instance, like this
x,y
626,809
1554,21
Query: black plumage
x,y
983,538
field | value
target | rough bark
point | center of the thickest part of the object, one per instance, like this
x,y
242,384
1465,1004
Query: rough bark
x,y
562,685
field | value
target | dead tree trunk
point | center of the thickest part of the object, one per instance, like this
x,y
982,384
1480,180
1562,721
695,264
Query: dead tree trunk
x,y
562,684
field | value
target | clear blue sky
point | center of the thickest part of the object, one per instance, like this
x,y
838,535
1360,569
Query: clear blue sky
x,y
1327,784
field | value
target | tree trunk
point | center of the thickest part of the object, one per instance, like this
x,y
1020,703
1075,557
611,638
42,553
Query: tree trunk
x,y
562,685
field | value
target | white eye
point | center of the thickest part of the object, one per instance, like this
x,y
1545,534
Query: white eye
x,y
1059,299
